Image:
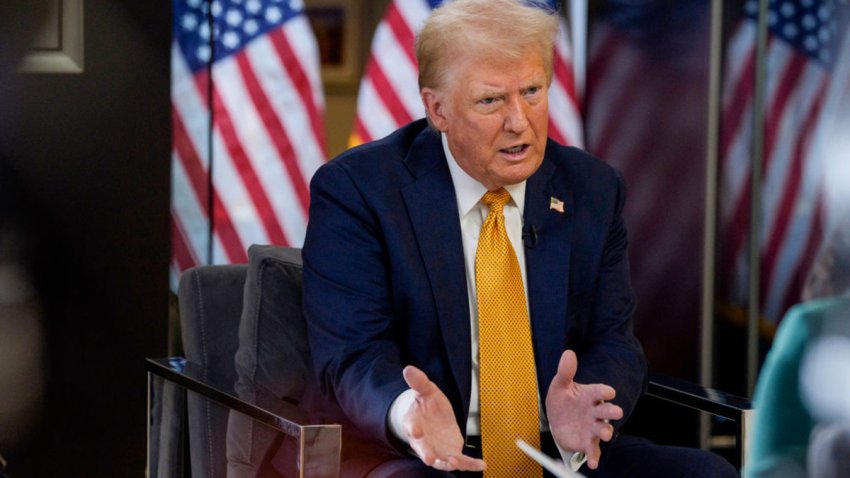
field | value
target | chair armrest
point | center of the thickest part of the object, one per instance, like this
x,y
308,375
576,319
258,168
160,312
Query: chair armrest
x,y
689,394
710,400
319,443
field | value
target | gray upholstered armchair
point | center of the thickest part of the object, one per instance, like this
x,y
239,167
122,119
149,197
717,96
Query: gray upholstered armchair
x,y
245,371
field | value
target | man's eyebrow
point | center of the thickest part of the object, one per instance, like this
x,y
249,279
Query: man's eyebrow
x,y
485,88
489,93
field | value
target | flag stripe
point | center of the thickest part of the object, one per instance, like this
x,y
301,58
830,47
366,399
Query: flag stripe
x,y
738,106
230,197
404,36
183,255
613,64
278,134
371,113
631,98
787,87
246,172
185,152
740,229
565,119
793,127
561,71
288,105
260,153
303,85
562,106
792,190
554,132
792,291
190,161
192,215
394,63
603,47
388,94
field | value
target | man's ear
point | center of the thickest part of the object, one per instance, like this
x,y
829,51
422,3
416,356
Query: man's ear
x,y
434,107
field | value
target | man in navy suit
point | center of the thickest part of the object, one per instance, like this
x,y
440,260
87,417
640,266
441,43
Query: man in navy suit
x,y
389,256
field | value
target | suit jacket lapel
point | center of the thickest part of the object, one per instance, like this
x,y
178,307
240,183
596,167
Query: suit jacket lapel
x,y
547,265
430,200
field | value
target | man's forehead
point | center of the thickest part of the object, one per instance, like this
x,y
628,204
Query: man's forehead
x,y
500,73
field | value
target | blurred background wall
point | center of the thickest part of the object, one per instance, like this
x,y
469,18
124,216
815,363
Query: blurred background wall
x,y
86,163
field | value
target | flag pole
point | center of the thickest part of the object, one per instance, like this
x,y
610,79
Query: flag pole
x,y
710,217
754,283
211,130
578,31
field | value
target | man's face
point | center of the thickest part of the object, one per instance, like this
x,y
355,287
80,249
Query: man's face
x,y
494,113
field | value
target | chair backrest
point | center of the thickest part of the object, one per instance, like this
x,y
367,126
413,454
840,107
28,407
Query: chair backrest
x,y
210,300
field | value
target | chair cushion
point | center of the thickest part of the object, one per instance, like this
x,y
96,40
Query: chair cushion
x,y
272,361
273,354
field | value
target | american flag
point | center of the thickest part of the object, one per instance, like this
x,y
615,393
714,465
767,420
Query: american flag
x,y
389,91
646,114
247,111
800,54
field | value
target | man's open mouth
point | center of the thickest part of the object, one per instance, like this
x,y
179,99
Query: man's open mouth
x,y
516,149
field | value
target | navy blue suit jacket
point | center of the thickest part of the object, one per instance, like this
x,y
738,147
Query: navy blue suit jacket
x,y
385,282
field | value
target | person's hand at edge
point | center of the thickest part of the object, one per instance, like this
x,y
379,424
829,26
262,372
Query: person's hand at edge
x,y
579,414
431,427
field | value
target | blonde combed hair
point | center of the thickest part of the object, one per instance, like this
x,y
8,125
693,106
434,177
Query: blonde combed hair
x,y
501,28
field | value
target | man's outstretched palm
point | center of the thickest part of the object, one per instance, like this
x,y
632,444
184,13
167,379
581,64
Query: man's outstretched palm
x,y
431,427
578,414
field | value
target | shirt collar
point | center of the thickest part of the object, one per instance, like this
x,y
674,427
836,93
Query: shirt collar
x,y
469,191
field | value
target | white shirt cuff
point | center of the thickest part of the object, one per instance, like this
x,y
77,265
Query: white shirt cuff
x,y
572,459
398,409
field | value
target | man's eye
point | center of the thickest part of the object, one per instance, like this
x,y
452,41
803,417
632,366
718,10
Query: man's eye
x,y
487,101
533,90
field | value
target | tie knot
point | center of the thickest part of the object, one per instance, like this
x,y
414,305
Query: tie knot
x,y
497,199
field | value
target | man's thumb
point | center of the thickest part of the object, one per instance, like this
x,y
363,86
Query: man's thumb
x,y
567,366
416,379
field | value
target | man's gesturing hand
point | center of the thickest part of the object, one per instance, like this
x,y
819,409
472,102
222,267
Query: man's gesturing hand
x,y
578,413
431,427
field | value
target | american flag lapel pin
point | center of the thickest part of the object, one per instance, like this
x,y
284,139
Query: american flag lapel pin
x,y
556,204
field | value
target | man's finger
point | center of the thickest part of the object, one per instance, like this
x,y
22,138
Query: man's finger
x,y
593,455
605,431
567,366
607,411
603,393
417,380
466,463
426,453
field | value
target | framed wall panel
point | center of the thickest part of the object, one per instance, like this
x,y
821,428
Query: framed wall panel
x,y
59,46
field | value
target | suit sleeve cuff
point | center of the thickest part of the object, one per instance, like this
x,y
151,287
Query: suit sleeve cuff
x,y
398,409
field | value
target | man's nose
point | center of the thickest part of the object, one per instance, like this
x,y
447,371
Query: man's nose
x,y
516,120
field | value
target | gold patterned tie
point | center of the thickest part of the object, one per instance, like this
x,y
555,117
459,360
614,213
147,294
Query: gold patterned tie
x,y
508,381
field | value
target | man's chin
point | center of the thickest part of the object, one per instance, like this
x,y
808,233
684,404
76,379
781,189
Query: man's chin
x,y
519,172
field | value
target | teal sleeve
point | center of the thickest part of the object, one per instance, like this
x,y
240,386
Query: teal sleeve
x,y
782,422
